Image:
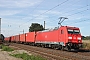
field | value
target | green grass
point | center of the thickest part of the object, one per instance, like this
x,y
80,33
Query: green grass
x,y
25,56
6,48
86,45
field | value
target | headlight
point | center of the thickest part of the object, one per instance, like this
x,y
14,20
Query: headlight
x,y
79,38
69,37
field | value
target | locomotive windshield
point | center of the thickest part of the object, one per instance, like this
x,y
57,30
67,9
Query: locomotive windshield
x,y
73,31
76,31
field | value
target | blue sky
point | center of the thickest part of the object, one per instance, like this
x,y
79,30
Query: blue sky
x,y
17,15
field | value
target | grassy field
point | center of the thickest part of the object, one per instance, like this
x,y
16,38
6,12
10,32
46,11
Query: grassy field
x,y
86,44
86,41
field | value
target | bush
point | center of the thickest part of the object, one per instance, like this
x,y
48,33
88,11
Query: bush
x,y
6,48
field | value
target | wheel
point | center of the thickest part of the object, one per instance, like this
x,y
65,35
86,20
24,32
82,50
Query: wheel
x,y
57,47
68,48
60,47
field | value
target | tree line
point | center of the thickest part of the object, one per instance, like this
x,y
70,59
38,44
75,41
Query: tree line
x,y
85,37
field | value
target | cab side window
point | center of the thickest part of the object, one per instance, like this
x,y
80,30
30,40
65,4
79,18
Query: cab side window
x,y
62,32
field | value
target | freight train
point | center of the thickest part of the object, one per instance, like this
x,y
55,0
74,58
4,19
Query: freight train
x,y
65,37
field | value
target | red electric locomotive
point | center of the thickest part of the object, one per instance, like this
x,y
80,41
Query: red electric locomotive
x,y
64,37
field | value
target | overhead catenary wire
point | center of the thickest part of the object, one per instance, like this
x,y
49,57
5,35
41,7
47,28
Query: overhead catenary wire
x,y
37,7
73,10
80,8
75,13
70,5
46,11
80,21
70,10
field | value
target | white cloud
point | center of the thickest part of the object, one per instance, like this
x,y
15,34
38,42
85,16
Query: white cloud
x,y
18,3
8,12
49,12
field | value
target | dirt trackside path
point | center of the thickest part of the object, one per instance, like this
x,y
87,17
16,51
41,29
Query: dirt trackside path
x,y
5,56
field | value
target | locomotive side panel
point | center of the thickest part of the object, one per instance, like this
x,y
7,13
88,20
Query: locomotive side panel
x,y
47,37
63,36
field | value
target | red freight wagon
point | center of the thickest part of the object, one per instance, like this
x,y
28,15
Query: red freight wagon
x,y
22,38
30,37
17,38
6,38
12,38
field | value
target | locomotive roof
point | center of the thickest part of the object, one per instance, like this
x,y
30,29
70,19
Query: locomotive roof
x,y
69,27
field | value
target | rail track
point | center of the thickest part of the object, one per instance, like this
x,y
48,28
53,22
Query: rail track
x,y
51,54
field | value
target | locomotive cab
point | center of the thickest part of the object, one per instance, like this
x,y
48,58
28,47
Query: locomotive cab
x,y
70,37
74,37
